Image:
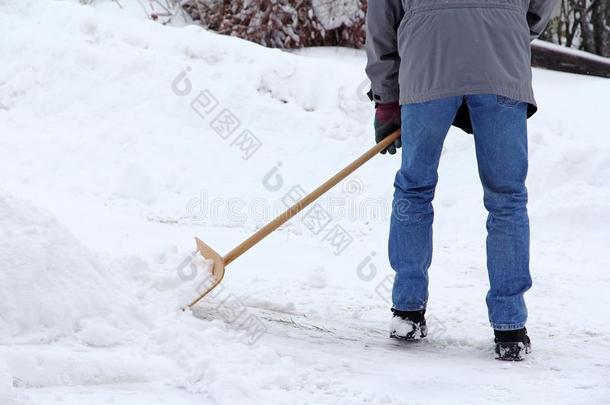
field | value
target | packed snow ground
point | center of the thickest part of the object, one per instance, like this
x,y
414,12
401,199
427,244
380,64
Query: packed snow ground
x,y
109,170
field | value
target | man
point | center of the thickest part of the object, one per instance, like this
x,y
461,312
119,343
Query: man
x,y
437,63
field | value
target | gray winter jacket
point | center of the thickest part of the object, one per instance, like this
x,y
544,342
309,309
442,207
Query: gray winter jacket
x,y
421,50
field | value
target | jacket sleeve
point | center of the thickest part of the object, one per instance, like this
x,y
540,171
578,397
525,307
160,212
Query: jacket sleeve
x,y
538,15
382,20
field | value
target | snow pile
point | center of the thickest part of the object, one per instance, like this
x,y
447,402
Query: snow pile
x,y
53,289
167,282
50,285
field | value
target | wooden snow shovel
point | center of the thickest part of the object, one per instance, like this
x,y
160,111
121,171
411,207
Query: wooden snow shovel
x,y
218,269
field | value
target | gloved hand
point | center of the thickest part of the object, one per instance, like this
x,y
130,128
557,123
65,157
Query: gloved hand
x,y
387,120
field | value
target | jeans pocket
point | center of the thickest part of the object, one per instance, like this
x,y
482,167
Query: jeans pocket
x,y
507,101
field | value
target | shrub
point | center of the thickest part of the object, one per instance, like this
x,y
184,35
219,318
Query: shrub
x,y
284,23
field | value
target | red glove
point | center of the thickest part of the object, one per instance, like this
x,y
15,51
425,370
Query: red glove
x,y
387,120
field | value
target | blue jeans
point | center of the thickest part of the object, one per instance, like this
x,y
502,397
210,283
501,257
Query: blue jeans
x,y
500,135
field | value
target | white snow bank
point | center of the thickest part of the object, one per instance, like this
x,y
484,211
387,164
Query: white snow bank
x,y
53,290
125,324
571,51
51,286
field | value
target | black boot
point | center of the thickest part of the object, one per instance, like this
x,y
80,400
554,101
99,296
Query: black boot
x,y
408,325
512,345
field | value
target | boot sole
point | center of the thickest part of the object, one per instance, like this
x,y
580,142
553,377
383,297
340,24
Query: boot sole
x,y
512,351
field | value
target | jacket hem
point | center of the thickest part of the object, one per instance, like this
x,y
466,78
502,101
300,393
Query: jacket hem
x,y
385,97
525,96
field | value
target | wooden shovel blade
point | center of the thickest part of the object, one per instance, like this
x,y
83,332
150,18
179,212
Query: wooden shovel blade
x,y
218,269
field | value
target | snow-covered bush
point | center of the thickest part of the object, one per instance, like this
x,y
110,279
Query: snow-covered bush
x,y
285,23
581,24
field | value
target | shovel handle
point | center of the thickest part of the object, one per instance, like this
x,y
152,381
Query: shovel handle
x,y
308,199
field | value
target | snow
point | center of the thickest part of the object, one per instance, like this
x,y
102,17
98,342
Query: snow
x,y
334,14
571,51
109,172
316,278
52,287
402,328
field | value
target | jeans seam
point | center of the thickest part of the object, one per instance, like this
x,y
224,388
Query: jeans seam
x,y
507,101
510,326
409,308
